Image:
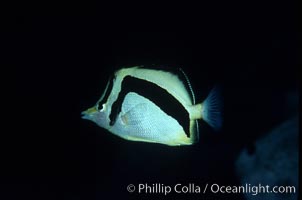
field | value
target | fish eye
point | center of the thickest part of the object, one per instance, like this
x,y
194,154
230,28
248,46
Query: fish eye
x,y
103,108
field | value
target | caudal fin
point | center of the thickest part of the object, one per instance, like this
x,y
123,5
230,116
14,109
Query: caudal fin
x,y
211,109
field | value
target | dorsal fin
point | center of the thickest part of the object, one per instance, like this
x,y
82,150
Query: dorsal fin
x,y
177,71
189,84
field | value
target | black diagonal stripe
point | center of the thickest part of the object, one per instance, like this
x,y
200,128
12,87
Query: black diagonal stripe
x,y
176,70
169,104
106,93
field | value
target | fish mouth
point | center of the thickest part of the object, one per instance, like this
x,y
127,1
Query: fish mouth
x,y
87,114
84,115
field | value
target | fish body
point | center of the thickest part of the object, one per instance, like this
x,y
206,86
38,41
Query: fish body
x,y
152,105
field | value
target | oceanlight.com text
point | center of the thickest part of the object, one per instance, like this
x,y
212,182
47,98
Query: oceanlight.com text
x,y
193,188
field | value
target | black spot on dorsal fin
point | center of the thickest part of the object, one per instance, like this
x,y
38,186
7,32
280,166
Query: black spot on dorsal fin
x,y
165,101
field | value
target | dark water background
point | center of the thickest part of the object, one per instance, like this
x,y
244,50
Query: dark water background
x,y
60,65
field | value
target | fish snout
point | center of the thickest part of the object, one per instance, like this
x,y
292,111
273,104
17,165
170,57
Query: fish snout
x,y
87,114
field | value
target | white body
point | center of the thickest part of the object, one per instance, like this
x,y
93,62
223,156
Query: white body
x,y
142,120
